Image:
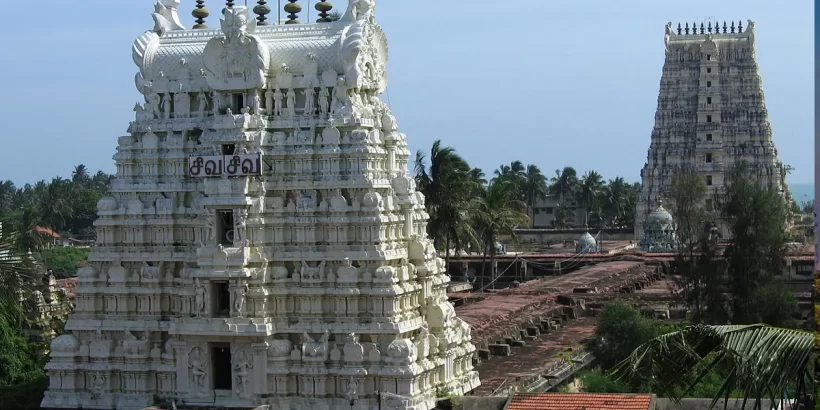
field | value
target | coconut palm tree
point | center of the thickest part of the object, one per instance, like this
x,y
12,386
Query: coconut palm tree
x,y
446,185
533,187
7,193
564,184
497,212
759,361
589,192
614,197
80,175
54,205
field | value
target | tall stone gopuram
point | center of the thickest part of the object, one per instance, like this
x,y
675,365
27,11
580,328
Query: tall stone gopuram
x,y
711,114
262,243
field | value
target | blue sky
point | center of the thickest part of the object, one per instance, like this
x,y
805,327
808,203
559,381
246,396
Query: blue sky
x,y
552,83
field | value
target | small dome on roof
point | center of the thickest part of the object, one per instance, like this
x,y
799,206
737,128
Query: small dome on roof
x,y
586,243
660,216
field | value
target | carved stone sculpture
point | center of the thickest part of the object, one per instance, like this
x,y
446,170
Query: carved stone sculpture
x,y
198,371
200,292
324,101
277,102
291,102
310,95
239,294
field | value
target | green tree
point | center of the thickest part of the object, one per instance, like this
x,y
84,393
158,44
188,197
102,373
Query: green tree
x,y
80,176
54,205
775,305
83,203
596,381
589,192
446,185
533,188
63,260
757,218
688,193
562,217
758,361
615,197
497,212
621,329
564,184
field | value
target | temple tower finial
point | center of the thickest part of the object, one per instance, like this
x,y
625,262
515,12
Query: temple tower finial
x,y
262,10
733,26
739,26
229,4
679,29
200,13
686,29
702,28
710,27
323,7
293,8
724,27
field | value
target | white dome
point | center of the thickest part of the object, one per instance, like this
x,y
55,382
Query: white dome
x,y
586,243
660,216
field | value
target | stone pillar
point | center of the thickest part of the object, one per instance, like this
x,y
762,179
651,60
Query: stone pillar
x,y
259,380
181,354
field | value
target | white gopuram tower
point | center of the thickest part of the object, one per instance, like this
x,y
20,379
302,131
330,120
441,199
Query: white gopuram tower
x,y
711,116
262,243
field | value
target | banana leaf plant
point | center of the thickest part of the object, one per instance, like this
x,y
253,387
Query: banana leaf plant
x,y
758,362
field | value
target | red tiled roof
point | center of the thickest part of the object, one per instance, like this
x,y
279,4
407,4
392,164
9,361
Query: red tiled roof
x,y
579,401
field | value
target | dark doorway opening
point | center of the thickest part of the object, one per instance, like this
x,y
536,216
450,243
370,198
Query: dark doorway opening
x,y
221,362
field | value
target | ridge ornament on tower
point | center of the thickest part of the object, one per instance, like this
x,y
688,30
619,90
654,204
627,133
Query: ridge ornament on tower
x,y
293,8
262,10
262,250
200,13
323,7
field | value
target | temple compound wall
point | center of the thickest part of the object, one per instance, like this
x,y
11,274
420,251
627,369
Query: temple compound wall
x,y
263,242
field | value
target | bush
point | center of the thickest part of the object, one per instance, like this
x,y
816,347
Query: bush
x,y
24,396
63,260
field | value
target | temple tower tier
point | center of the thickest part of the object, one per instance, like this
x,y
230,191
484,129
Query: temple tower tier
x,y
711,116
263,242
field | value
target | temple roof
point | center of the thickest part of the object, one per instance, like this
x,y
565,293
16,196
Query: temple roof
x,y
170,55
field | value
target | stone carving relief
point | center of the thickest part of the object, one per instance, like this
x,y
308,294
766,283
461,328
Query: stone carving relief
x,y
236,60
313,273
277,102
182,104
279,348
200,294
402,350
348,273
313,349
166,17
310,95
353,350
241,369
240,292
291,96
324,101
198,370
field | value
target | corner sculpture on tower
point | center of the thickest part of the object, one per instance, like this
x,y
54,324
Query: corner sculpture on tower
x,y
711,116
263,242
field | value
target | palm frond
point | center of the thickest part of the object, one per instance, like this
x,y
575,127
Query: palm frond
x,y
759,361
